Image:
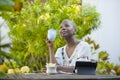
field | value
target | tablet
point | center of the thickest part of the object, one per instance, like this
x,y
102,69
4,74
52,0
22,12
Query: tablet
x,y
85,67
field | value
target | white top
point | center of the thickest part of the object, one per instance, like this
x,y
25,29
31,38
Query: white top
x,y
81,52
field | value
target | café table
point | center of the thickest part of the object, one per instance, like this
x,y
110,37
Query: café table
x,y
44,76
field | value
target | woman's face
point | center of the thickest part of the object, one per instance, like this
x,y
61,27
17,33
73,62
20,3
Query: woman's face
x,y
67,29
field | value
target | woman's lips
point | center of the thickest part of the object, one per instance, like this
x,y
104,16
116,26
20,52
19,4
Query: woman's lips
x,y
63,32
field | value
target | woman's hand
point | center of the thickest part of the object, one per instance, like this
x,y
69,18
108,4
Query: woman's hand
x,y
49,43
65,69
43,70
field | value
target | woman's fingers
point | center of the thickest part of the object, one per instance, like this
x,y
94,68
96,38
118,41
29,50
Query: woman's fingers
x,y
43,70
49,43
47,40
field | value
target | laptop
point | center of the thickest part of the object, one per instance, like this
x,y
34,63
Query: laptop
x,y
85,67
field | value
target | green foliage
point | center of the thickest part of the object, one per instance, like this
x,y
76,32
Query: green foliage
x,y
2,74
104,65
5,56
6,5
10,5
28,28
103,55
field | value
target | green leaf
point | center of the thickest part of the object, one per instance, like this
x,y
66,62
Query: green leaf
x,y
6,5
2,74
103,55
6,8
10,5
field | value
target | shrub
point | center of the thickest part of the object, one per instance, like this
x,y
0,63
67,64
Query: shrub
x,y
28,28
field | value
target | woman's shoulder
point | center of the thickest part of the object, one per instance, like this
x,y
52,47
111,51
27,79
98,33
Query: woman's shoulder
x,y
60,48
83,43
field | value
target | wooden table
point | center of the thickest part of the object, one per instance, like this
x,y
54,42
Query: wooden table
x,y
39,76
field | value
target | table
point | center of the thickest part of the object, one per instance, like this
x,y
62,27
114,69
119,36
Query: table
x,y
40,76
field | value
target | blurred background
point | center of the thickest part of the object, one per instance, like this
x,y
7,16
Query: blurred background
x,y
107,36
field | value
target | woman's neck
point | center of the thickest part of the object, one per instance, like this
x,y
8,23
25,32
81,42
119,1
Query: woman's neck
x,y
71,41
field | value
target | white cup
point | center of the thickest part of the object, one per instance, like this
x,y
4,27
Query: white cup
x,y
51,68
51,34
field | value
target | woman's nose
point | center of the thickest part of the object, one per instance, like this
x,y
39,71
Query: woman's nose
x,y
63,28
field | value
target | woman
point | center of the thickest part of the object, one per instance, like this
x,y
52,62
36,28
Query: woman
x,y
73,51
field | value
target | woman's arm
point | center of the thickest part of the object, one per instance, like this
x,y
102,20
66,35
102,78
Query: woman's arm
x,y
51,50
65,69
52,56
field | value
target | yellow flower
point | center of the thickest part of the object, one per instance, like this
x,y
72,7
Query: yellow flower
x,y
25,69
10,71
17,70
3,68
46,16
14,71
78,8
41,17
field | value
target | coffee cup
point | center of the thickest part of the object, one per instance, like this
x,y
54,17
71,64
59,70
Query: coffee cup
x,y
51,68
51,34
